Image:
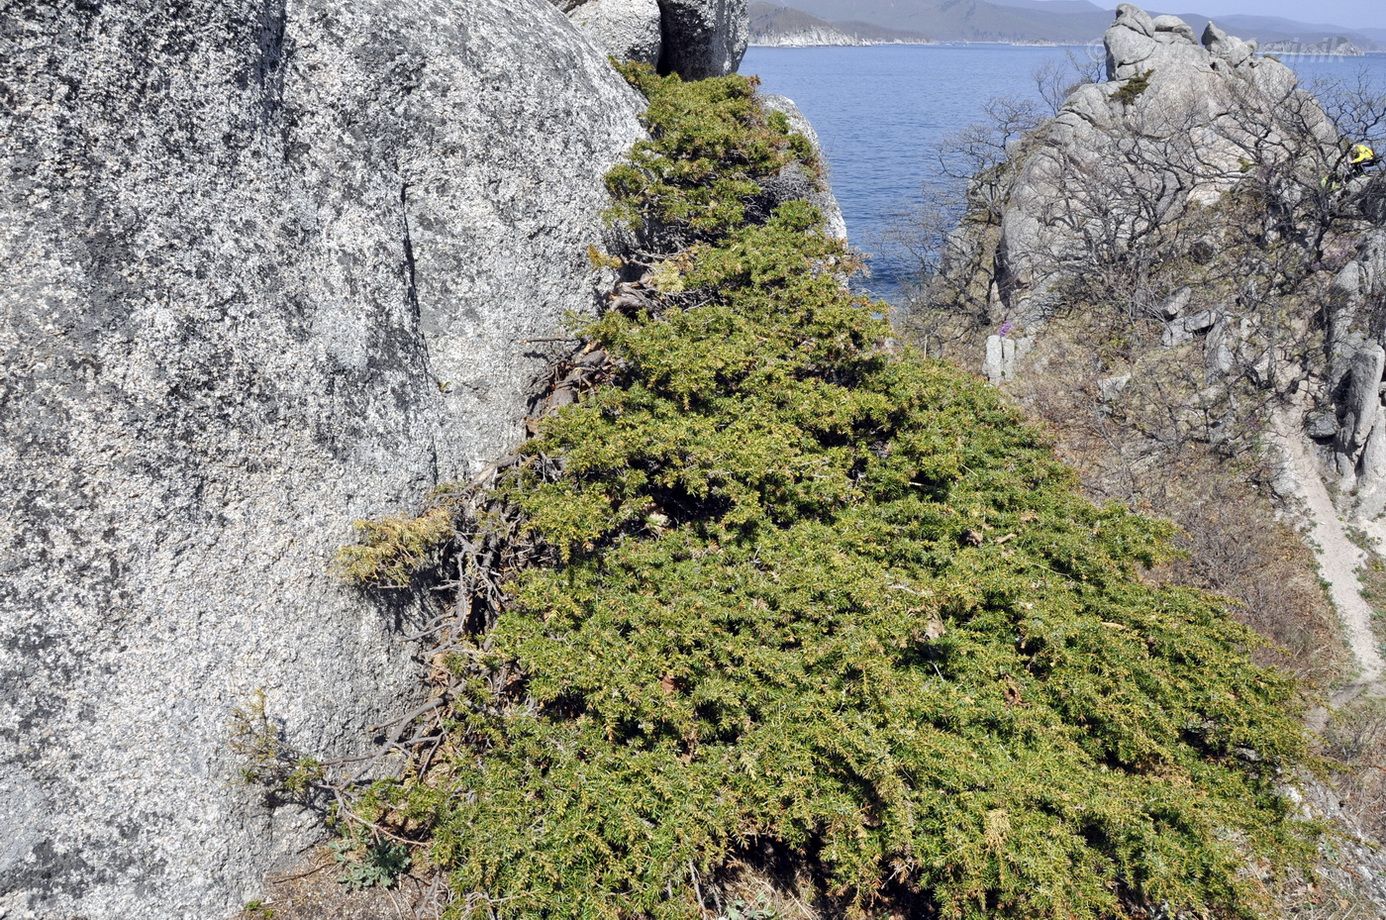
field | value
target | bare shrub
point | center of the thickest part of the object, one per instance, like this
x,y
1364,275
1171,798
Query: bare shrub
x,y
1356,740
1056,80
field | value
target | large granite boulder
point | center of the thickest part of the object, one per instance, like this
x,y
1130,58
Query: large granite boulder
x,y
1355,366
692,38
265,268
628,30
704,38
1361,398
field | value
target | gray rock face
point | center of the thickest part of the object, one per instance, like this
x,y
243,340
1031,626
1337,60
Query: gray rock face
x,y
1177,303
1182,329
1173,25
628,30
692,38
1227,47
1109,388
1357,286
1220,351
794,182
1356,364
1371,470
1361,399
264,268
1130,42
704,38
1002,355
1321,426
1201,321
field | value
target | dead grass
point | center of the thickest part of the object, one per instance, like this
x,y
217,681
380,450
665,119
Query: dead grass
x,y
1356,742
313,891
1169,445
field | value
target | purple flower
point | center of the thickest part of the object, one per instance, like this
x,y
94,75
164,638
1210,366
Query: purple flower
x,y
1006,329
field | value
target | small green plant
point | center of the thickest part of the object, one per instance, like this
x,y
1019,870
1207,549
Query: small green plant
x,y
1372,577
1133,88
389,552
267,760
1360,538
742,910
259,909
370,864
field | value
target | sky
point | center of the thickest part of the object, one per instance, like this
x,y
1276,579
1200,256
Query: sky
x,y
1353,15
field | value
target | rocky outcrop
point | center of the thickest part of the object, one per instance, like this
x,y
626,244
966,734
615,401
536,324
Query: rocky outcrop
x,y
1134,170
794,182
1003,353
264,269
1361,398
1173,125
1353,378
692,38
1359,447
628,30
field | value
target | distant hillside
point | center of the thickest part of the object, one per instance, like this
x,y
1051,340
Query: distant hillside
x,y
1338,46
780,25
968,20
1054,6
1069,21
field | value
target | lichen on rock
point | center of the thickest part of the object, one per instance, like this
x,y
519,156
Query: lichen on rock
x,y
264,269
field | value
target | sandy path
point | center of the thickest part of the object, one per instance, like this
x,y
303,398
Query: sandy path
x,y
1339,559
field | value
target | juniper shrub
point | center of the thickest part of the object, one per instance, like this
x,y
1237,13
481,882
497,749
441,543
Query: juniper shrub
x,y
814,593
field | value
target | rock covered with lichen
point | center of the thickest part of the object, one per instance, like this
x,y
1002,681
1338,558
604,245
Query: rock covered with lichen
x,y
264,269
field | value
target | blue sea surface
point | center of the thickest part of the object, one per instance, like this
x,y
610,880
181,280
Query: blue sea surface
x,y
882,113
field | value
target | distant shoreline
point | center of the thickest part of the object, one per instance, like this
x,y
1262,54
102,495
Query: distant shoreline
x,y
924,42
821,44
875,43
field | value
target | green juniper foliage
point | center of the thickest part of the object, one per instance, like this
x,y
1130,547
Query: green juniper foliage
x,y
698,174
813,594
1134,88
